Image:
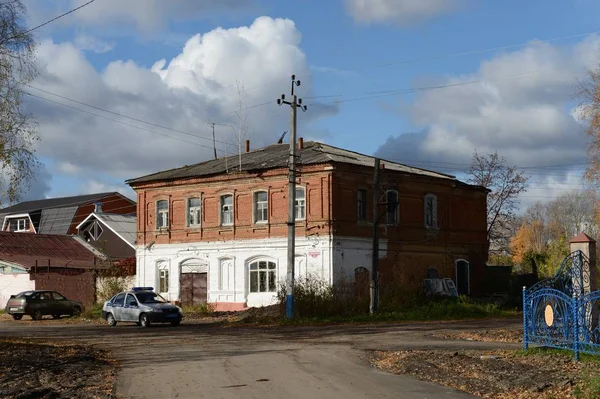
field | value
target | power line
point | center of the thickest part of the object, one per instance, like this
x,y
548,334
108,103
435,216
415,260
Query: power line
x,y
60,16
481,51
118,121
126,116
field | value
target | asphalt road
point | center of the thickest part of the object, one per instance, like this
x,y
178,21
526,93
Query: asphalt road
x,y
207,361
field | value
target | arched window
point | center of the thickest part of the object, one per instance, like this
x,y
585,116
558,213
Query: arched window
x,y
162,214
263,276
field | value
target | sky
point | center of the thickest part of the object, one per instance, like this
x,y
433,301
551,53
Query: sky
x,y
127,88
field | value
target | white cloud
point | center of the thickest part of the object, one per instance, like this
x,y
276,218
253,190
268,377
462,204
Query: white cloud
x,y
184,93
521,107
84,42
402,12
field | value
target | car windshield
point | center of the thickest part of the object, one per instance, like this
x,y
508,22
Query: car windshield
x,y
150,297
25,294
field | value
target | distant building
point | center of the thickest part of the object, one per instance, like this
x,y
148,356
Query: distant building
x,y
61,215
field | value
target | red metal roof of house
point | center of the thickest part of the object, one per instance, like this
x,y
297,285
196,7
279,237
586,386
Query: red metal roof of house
x,y
26,249
582,237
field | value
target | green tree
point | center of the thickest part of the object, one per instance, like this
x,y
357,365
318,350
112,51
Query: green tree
x,y
17,128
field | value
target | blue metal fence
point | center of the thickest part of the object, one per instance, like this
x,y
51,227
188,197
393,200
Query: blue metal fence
x,y
559,313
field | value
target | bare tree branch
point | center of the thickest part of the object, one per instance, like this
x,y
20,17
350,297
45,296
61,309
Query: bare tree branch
x,y
17,128
506,183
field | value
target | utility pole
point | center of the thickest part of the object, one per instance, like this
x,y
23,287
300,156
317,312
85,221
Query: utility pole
x,y
291,248
213,134
374,303
214,141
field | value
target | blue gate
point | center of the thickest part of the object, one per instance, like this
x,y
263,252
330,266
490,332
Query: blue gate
x,y
558,312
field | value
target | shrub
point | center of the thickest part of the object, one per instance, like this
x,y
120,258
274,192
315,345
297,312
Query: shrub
x,y
316,299
92,312
204,308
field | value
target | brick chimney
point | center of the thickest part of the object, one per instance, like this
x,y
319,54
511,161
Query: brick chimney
x,y
247,145
300,143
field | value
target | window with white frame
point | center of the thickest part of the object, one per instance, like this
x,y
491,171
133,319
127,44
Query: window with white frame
x,y
162,214
430,211
194,211
392,206
227,210
22,224
300,204
261,207
361,201
93,231
263,276
163,277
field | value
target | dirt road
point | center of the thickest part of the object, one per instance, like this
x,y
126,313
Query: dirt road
x,y
195,361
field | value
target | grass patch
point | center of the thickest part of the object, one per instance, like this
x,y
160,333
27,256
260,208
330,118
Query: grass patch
x,y
435,310
583,357
317,302
589,386
93,312
201,309
588,383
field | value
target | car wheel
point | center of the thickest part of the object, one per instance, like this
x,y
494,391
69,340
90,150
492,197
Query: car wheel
x,y
37,315
76,311
144,320
17,316
110,319
56,316
175,323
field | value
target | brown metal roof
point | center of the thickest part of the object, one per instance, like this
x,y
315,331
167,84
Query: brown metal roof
x,y
26,249
277,156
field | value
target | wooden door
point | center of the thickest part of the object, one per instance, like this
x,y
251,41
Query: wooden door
x,y
463,277
194,288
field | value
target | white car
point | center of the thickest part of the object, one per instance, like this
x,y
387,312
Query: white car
x,y
142,306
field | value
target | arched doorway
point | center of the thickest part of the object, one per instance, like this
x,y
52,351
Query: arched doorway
x,y
463,277
193,282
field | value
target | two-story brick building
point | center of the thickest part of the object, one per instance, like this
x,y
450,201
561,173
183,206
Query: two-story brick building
x,y
217,232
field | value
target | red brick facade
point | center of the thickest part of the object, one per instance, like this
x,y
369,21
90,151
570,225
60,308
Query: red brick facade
x,y
332,209
315,180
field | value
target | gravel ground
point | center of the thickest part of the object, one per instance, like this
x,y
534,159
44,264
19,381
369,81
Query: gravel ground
x,y
35,371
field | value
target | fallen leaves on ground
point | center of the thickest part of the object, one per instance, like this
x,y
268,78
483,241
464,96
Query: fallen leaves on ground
x,y
29,370
491,374
484,336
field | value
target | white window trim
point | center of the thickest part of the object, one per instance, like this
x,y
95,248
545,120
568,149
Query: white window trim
x,y
397,221
7,218
221,197
166,227
188,210
303,189
276,270
19,229
434,225
255,207
162,265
